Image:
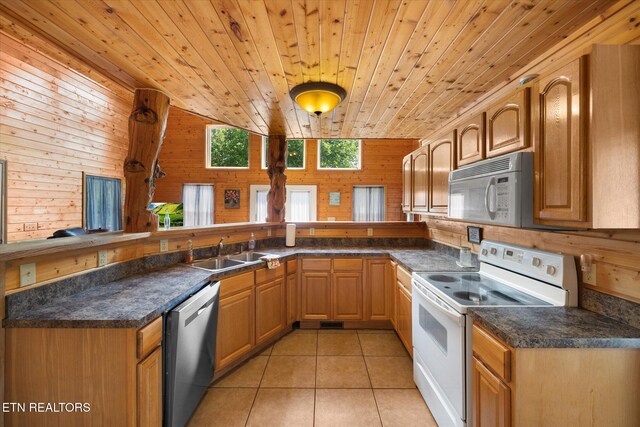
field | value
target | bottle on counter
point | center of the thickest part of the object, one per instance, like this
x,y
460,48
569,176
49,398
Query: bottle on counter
x,y
189,257
167,221
252,242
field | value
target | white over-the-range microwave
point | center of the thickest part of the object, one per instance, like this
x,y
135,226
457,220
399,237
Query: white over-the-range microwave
x,y
495,191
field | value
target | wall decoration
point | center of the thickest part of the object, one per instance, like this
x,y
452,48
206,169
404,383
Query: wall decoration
x,y
334,198
232,199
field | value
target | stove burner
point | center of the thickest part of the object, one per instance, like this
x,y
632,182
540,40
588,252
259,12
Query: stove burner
x,y
472,278
470,296
442,278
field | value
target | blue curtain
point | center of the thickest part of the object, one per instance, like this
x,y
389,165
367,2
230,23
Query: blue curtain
x,y
103,203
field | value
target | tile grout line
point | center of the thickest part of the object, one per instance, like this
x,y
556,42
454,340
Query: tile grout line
x,y
259,385
370,382
315,380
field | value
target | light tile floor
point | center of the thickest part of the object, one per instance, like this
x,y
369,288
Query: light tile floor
x,y
320,378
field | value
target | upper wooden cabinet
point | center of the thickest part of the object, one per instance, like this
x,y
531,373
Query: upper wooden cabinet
x,y
441,162
508,124
560,145
420,180
406,183
470,141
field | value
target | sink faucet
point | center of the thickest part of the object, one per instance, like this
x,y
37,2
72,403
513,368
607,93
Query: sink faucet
x,y
220,246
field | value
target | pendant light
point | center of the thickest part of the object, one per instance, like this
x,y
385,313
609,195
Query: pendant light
x,y
318,97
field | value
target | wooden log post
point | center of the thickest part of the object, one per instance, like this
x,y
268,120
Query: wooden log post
x,y
277,197
147,124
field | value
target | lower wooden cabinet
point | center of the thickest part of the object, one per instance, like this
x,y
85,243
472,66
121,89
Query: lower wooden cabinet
x,y
491,398
291,290
315,295
404,328
394,297
270,310
236,333
346,291
149,376
378,290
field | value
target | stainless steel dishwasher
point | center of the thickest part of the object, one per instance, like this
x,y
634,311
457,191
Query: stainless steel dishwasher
x,y
189,353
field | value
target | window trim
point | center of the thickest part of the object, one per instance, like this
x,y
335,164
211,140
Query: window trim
x,y
359,168
207,142
384,188
3,201
313,208
263,151
84,198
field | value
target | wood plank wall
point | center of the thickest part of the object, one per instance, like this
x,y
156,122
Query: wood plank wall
x,y
55,124
183,158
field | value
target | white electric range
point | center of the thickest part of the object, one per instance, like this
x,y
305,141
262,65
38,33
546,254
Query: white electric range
x,y
509,276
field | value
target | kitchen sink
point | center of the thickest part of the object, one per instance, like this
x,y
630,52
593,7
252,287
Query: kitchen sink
x,y
215,264
248,256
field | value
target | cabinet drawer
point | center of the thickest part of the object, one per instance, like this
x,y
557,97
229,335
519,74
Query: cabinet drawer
x,y
234,284
149,337
404,277
292,266
266,274
492,352
318,264
347,264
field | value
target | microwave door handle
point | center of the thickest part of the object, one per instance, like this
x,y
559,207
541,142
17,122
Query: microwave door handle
x,y
492,183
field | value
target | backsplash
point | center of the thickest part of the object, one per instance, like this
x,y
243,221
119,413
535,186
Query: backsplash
x,y
617,308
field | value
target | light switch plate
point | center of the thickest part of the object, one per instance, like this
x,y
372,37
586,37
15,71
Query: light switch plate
x,y
312,231
268,232
102,258
590,277
27,274
164,245
369,231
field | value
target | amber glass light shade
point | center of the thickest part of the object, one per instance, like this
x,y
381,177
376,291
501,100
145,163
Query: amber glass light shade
x,y
318,98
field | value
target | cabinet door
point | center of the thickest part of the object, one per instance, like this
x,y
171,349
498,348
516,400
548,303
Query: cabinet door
x,y
270,310
316,296
508,124
236,324
470,141
560,148
378,290
292,298
347,296
392,284
419,176
491,398
441,162
406,183
149,376
404,317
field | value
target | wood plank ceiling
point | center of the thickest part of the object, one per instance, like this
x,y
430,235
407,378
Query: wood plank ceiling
x,y
406,65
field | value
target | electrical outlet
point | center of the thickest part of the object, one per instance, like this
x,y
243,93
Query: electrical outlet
x,y
27,274
369,231
32,226
590,277
164,245
312,231
268,232
102,258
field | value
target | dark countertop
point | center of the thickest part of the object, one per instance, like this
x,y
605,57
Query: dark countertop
x,y
555,327
133,301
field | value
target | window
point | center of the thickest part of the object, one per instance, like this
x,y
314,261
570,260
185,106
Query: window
x,y
368,204
295,158
227,147
197,205
339,154
102,203
301,203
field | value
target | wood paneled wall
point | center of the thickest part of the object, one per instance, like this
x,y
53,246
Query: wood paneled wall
x,y
183,158
55,125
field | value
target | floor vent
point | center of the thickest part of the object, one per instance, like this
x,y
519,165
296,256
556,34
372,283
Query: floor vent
x,y
331,325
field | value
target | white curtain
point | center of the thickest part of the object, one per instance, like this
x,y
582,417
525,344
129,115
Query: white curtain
x,y
103,207
368,204
299,206
197,204
261,206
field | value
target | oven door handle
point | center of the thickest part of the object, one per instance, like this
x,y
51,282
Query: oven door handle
x,y
440,306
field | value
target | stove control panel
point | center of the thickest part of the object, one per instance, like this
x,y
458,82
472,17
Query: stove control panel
x,y
551,267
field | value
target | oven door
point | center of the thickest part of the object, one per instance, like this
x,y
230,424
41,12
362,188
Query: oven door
x,y
439,356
